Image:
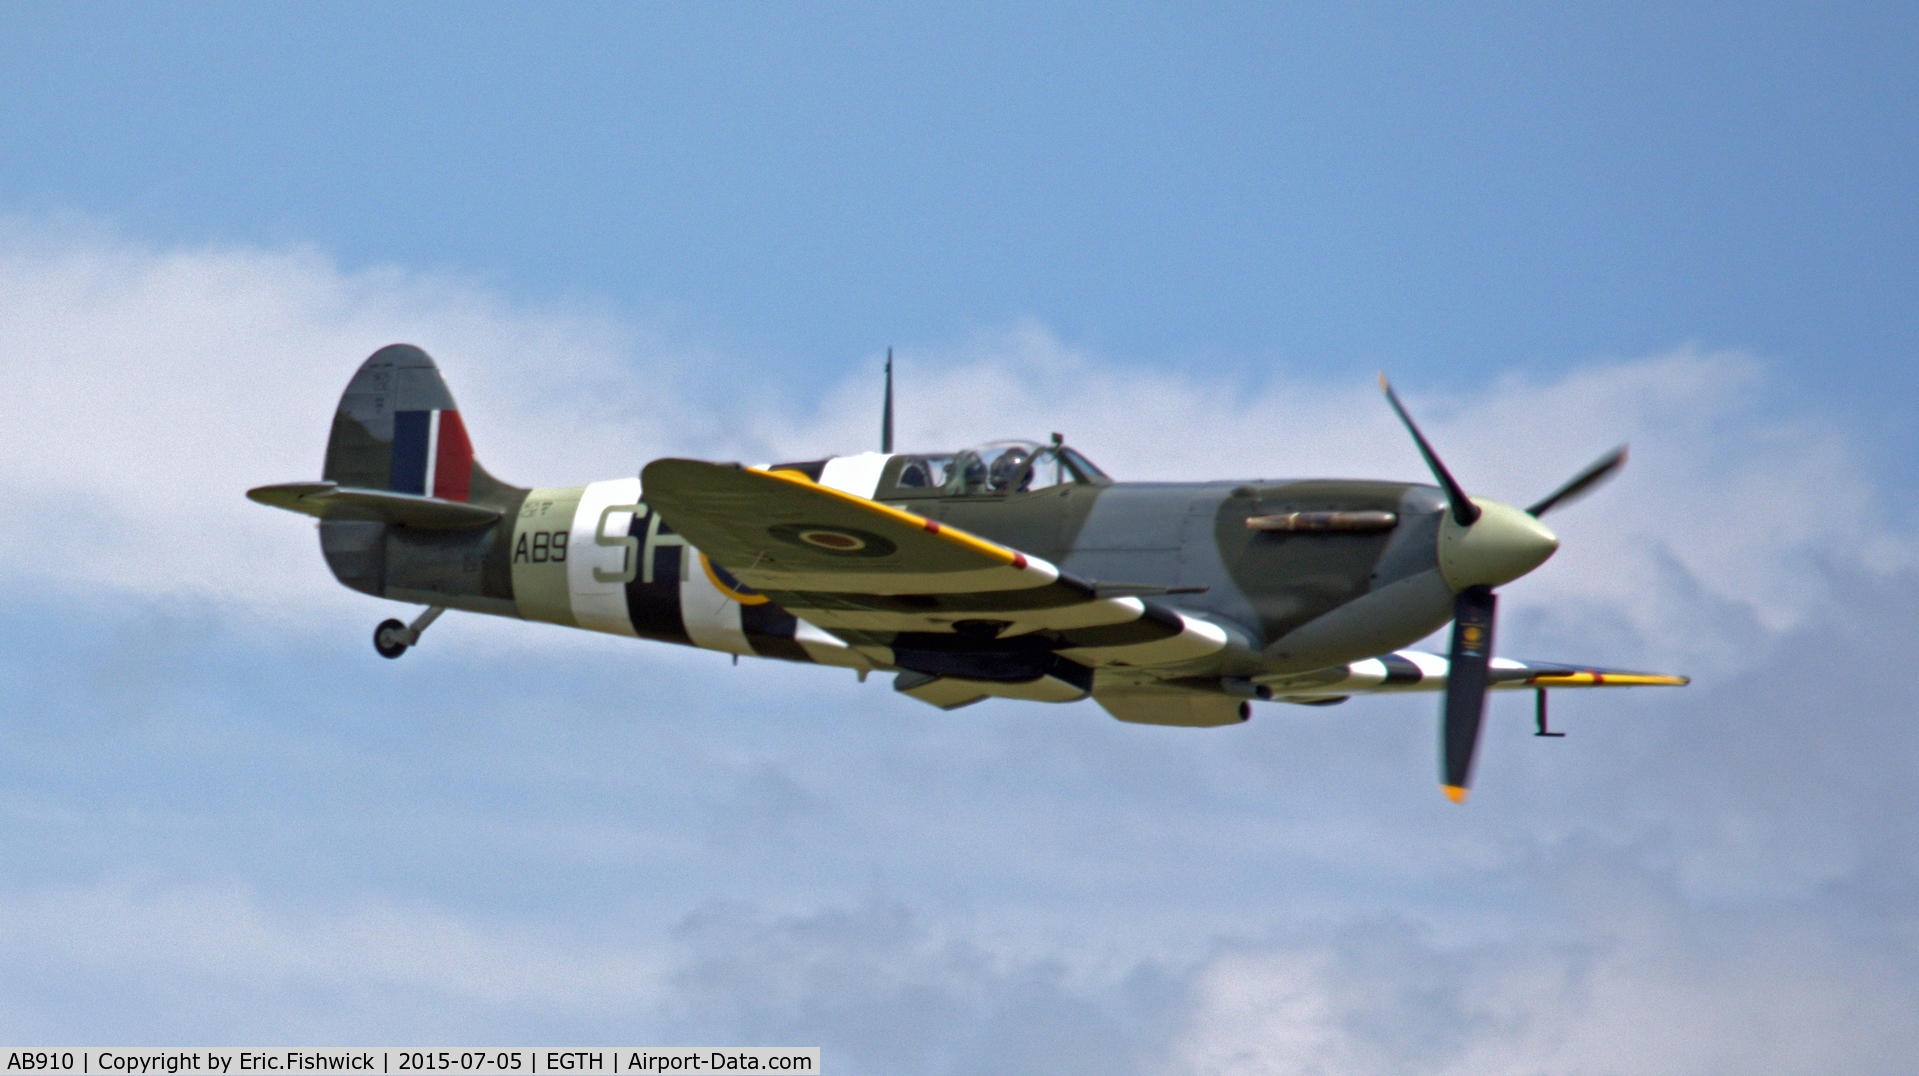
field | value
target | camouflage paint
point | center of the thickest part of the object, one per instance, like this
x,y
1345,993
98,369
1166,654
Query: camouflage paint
x,y
541,542
1225,612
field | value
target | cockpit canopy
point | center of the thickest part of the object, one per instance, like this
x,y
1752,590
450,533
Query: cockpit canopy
x,y
994,468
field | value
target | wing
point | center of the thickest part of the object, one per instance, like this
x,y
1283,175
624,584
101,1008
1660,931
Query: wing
x,y
962,617
1412,670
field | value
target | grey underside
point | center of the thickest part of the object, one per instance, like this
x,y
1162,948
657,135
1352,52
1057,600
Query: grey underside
x,y
460,569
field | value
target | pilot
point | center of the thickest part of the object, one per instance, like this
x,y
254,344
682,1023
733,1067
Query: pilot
x,y
969,473
1010,468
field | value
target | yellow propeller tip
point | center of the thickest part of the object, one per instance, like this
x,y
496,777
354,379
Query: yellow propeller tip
x,y
1382,382
1455,793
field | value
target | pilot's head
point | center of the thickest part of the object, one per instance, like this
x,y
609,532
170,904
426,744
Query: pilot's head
x,y
1010,468
971,470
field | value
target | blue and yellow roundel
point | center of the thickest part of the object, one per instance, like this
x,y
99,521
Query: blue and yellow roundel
x,y
724,582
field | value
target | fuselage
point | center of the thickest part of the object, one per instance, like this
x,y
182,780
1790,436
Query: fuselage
x,y
1304,574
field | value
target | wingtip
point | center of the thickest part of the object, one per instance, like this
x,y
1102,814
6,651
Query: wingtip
x,y
1456,793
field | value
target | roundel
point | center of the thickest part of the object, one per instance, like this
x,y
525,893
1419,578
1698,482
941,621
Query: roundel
x,y
724,582
839,541
836,541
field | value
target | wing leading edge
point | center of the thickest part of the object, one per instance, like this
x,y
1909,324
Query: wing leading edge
x,y
961,617
1412,670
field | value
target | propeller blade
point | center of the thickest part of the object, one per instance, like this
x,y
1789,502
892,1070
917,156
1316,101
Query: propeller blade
x,y
1464,510
1466,686
1582,483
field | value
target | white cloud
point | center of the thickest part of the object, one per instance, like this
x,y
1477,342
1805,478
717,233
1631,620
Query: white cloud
x,y
1645,992
151,387
1645,986
1767,805
225,940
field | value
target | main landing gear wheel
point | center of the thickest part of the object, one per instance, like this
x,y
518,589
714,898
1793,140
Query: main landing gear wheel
x,y
390,638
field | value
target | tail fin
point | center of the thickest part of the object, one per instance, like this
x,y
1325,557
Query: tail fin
x,y
398,429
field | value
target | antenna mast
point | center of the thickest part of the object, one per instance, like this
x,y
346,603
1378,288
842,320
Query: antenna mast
x,y
886,421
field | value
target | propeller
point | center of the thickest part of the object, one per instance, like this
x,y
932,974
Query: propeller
x,y
1484,544
1467,662
1582,483
1464,510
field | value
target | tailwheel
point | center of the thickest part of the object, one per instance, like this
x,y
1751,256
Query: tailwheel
x,y
390,638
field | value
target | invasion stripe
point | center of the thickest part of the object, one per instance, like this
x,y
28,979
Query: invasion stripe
x,y
1399,671
1155,624
770,630
655,607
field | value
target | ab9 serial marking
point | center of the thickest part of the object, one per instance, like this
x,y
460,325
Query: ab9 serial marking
x,y
547,546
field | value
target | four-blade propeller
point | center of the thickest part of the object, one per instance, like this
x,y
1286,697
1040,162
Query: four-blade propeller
x,y
1482,544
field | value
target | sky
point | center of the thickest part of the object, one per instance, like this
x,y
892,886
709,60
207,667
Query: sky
x,y
1188,240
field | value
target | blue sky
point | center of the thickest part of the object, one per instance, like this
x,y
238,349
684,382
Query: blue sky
x,y
1457,192
1187,239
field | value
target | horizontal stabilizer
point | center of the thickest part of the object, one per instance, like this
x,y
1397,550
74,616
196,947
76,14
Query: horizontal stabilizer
x,y
330,500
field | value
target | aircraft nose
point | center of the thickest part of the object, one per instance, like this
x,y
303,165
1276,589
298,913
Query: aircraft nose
x,y
1502,545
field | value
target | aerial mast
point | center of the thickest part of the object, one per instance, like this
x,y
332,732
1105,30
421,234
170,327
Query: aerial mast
x,y
886,420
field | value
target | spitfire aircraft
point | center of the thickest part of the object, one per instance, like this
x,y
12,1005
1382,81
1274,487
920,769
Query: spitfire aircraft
x,y
1014,569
